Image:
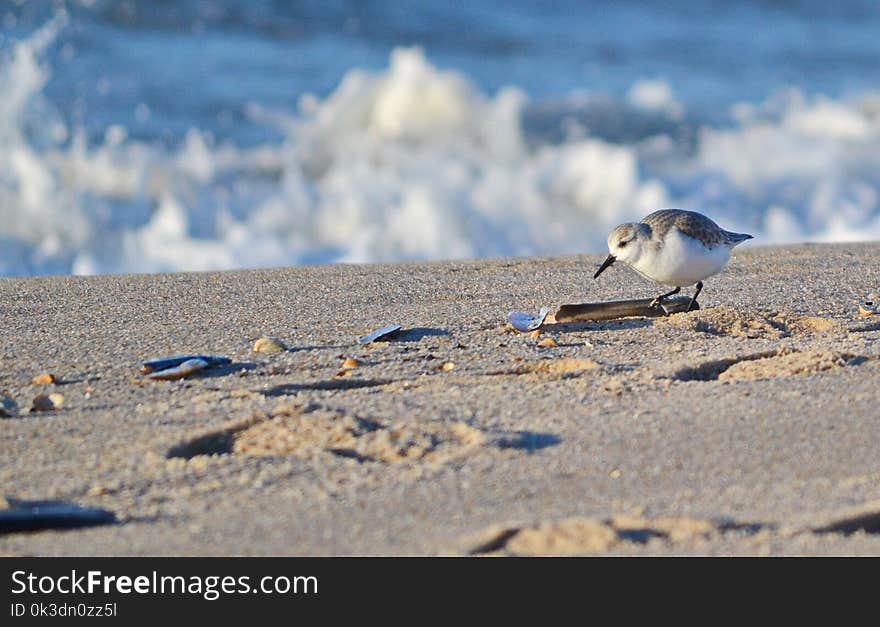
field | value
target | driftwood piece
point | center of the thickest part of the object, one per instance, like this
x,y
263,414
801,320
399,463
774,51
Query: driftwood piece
x,y
611,310
623,309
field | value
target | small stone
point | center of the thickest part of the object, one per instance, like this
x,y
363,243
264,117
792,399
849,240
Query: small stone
x,y
44,379
547,342
268,345
447,366
46,402
351,362
614,474
342,373
97,490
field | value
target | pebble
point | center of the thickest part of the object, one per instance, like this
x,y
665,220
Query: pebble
x,y
44,379
269,345
351,363
547,342
47,402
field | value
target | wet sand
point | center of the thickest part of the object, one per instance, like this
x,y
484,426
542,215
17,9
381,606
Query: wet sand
x,y
749,427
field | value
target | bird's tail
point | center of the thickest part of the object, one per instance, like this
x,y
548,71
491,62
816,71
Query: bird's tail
x,y
736,238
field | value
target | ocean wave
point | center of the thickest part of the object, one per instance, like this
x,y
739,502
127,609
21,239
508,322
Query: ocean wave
x,y
416,162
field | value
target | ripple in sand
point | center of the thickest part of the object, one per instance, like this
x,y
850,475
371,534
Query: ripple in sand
x,y
732,322
574,536
292,431
768,365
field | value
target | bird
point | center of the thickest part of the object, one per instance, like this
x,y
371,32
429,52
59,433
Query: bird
x,y
672,247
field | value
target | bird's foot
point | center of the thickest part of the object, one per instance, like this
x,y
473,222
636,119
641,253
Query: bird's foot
x,y
659,300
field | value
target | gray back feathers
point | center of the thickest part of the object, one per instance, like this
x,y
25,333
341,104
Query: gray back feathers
x,y
692,224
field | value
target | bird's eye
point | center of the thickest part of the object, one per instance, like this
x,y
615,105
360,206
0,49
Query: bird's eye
x,y
623,244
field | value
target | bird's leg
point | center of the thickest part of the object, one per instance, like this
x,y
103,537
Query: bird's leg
x,y
659,299
697,293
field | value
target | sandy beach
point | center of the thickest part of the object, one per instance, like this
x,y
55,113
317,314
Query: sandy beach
x,y
750,427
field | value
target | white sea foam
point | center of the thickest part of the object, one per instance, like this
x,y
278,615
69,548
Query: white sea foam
x,y
810,168
412,162
655,95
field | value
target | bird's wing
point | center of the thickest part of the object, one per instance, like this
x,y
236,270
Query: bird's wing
x,y
692,224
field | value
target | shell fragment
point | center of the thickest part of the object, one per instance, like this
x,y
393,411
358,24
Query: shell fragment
x,y
156,365
36,515
384,332
180,371
869,309
526,322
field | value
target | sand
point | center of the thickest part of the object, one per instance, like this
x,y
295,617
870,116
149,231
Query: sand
x,y
750,427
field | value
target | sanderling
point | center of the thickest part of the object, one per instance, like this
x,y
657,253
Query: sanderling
x,y
672,247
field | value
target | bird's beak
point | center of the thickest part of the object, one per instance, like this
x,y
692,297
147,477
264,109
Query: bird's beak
x,y
608,261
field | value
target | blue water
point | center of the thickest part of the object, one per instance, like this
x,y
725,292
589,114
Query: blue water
x,y
198,63
161,70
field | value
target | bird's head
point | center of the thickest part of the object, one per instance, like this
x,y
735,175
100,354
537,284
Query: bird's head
x,y
624,244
